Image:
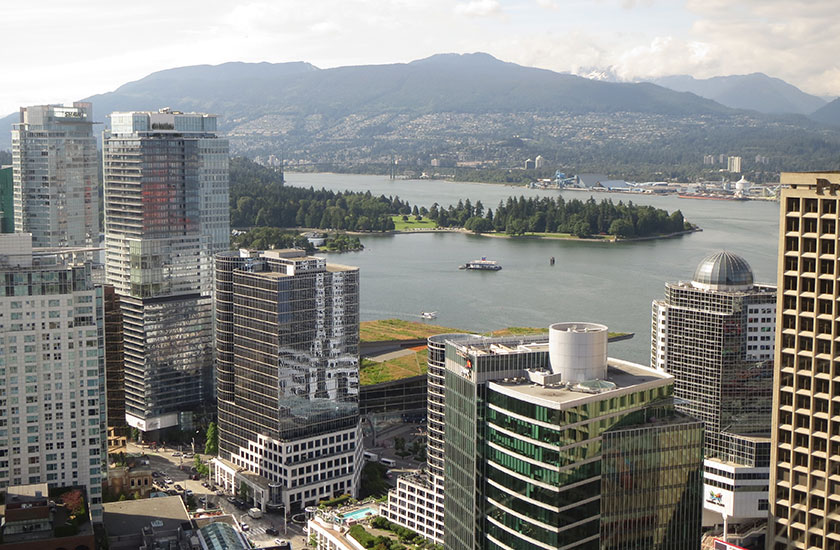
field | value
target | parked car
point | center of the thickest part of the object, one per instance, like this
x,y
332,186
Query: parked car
x,y
189,492
178,487
244,526
168,481
283,544
232,500
219,493
189,455
176,454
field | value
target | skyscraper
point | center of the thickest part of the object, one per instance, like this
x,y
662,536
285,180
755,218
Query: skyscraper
x,y
417,500
715,335
550,444
287,339
56,170
166,213
805,463
52,370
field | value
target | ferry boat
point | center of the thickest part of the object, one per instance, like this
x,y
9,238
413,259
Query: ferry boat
x,y
482,265
428,314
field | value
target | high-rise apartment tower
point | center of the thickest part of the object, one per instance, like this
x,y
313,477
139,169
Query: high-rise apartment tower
x,y
287,340
805,463
56,173
166,214
52,370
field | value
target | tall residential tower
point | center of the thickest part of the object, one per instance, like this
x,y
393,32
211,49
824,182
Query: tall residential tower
x,y
56,173
52,370
805,462
166,214
287,340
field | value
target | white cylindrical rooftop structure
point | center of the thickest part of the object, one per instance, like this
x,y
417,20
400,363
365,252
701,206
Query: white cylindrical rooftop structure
x,y
578,351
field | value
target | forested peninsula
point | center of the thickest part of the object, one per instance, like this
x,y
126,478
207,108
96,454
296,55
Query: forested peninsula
x,y
259,199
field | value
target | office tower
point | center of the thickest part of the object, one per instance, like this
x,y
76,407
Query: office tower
x,y
287,340
715,335
417,500
805,462
114,361
166,213
734,164
7,200
551,444
56,174
52,372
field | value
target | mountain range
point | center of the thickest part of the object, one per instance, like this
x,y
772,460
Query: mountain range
x,y
476,107
756,91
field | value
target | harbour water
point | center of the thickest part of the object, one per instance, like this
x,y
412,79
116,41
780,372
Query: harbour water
x,y
610,283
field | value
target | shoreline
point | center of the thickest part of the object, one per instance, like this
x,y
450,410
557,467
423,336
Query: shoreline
x,y
607,239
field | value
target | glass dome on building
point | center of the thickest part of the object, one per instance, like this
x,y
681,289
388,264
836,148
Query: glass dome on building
x,y
723,271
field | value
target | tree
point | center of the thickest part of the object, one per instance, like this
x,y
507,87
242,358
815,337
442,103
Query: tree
x,y
212,445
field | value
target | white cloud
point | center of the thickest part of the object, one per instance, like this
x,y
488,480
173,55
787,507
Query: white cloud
x,y
479,8
110,43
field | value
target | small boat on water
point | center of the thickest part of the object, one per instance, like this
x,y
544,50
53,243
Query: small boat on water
x,y
428,314
551,261
482,265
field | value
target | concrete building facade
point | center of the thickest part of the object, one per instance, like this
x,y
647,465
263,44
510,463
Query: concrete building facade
x,y
805,461
52,370
166,214
56,172
287,340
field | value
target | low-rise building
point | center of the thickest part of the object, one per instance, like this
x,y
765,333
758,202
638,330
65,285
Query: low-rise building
x,y
155,523
37,518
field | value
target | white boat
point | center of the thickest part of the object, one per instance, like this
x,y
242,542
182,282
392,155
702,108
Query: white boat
x,y
428,314
482,265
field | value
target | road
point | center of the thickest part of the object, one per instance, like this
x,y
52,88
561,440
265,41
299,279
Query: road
x,y
167,466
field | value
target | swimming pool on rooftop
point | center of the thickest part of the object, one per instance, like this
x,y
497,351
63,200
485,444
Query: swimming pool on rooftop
x,y
361,513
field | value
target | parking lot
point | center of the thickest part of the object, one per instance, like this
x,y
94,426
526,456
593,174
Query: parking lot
x,y
263,531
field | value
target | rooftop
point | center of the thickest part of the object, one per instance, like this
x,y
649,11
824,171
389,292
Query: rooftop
x,y
626,376
131,516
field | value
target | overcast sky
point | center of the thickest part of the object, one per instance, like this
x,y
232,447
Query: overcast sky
x,y
56,51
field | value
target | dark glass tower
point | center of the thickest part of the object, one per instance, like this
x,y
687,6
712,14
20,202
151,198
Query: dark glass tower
x,y
287,375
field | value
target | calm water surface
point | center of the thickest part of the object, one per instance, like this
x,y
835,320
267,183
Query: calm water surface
x,y
614,284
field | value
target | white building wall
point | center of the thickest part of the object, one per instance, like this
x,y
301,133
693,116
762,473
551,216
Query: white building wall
x,y
737,492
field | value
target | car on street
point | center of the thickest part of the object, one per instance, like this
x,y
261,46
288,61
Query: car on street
x,y
283,544
168,481
189,492
271,531
219,493
178,487
155,474
205,484
176,454
244,527
232,500
189,455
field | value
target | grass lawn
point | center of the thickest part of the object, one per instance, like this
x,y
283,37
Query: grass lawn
x,y
397,329
414,364
400,225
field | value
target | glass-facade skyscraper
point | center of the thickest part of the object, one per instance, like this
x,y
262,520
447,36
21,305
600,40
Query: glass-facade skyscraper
x,y
56,173
166,214
287,340
715,335
550,444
